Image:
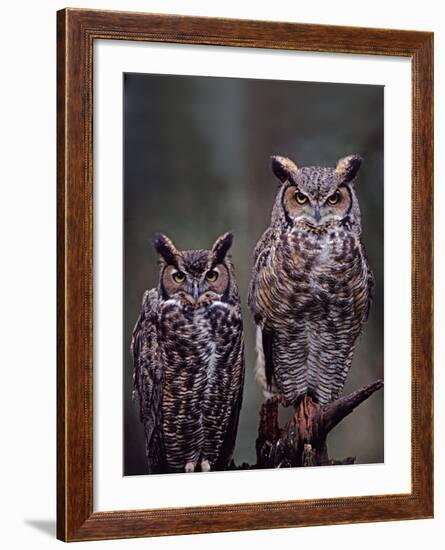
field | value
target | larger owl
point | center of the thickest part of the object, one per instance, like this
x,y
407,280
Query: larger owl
x,y
311,285
188,360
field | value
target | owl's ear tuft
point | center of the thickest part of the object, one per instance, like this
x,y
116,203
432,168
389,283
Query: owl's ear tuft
x,y
221,247
166,249
347,167
284,168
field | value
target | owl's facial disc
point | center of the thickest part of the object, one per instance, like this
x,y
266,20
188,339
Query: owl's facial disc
x,y
195,288
315,210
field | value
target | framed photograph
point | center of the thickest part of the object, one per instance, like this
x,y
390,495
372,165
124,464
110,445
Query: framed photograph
x,y
245,228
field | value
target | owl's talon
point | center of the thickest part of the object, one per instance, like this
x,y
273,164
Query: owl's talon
x,y
189,467
205,466
283,401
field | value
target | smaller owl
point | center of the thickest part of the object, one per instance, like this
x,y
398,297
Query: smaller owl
x,y
188,357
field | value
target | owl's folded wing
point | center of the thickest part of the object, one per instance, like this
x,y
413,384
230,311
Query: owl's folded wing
x,y
260,256
371,286
147,371
237,366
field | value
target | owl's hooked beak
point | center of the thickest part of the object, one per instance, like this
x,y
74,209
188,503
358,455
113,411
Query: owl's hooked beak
x,y
195,291
317,215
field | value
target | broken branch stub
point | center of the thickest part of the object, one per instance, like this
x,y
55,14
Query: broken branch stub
x,y
302,441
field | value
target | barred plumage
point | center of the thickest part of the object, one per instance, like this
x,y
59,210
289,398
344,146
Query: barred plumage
x,y
311,285
188,360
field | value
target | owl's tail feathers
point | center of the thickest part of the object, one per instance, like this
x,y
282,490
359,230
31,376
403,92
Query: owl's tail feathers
x,y
264,366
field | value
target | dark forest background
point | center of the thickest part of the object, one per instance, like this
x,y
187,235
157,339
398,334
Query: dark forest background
x,y
197,163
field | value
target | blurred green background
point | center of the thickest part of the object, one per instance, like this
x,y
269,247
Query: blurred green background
x,y
197,163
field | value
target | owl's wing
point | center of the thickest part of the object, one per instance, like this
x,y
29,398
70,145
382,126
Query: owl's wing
x,y
148,377
371,286
228,445
370,282
261,255
267,341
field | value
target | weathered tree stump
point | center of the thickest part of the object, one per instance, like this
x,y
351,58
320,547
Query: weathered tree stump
x,y
302,441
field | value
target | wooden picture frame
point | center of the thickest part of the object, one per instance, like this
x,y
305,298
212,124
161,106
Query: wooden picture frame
x,y
76,32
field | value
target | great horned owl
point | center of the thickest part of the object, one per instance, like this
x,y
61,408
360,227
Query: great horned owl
x,y
311,285
188,357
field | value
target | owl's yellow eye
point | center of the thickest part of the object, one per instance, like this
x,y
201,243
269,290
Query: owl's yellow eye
x,y
334,198
212,276
300,197
178,277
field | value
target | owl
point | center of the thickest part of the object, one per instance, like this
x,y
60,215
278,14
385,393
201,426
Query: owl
x,y
188,359
311,285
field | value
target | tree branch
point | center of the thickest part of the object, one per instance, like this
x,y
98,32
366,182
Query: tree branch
x,y
302,441
334,412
